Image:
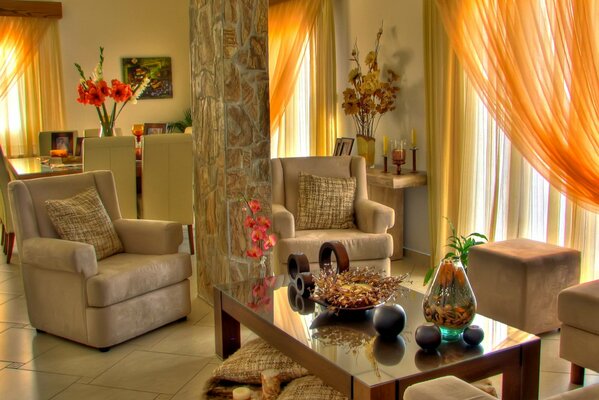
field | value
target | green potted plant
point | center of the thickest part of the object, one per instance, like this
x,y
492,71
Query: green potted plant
x,y
460,247
179,126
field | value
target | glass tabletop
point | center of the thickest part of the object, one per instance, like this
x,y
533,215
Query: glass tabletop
x,y
349,339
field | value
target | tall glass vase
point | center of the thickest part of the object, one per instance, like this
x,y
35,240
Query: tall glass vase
x,y
107,130
449,302
366,146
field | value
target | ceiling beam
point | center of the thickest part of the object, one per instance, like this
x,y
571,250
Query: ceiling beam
x,y
37,9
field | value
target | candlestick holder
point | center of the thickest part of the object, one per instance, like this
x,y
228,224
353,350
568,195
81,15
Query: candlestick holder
x,y
413,149
399,158
385,163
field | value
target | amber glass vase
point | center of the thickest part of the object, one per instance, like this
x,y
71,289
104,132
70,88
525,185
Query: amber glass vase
x,y
366,149
449,302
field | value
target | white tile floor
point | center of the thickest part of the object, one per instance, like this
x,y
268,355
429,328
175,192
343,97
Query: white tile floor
x,y
172,362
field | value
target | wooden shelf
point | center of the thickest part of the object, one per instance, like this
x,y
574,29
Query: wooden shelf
x,y
388,189
36,9
391,180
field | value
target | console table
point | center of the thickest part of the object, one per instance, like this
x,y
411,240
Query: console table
x,y
388,189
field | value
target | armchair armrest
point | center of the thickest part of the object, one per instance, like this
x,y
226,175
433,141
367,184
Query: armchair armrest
x,y
373,217
144,236
283,222
60,255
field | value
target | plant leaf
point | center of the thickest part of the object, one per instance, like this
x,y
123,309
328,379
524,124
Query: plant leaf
x,y
428,276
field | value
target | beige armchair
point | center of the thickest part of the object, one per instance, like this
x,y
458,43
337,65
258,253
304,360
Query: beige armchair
x,y
366,244
579,338
98,303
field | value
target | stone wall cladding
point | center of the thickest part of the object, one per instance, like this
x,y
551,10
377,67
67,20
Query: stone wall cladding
x,y
229,70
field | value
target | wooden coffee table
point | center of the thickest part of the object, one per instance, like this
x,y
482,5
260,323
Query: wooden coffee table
x,y
345,352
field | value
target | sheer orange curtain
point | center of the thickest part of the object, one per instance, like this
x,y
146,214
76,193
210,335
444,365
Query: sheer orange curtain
x,y
535,64
19,39
289,23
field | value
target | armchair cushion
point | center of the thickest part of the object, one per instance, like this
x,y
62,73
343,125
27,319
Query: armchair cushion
x,y
83,218
325,202
576,303
359,245
125,276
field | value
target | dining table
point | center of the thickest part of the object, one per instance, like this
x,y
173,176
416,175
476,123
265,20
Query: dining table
x,y
36,167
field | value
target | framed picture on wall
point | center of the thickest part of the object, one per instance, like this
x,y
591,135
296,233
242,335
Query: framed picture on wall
x,y
158,69
154,128
343,146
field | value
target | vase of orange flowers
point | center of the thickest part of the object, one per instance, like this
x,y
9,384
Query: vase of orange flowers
x,y
368,98
261,241
94,90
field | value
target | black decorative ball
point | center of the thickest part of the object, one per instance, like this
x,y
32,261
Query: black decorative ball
x,y
473,335
428,336
389,320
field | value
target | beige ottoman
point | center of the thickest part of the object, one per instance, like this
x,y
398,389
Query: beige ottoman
x,y
445,388
517,281
585,393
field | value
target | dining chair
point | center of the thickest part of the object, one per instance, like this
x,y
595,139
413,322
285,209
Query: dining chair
x,y
167,180
8,232
95,132
91,132
45,143
116,154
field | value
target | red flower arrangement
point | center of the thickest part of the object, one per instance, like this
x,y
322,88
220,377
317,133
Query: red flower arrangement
x,y
261,296
258,226
94,90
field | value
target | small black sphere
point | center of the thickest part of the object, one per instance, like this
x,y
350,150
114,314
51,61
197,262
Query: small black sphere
x,y
389,320
428,336
473,335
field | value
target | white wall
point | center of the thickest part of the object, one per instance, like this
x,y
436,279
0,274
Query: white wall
x,y
129,28
401,49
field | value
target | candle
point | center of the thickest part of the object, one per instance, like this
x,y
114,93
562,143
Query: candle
x,y
385,145
413,137
241,393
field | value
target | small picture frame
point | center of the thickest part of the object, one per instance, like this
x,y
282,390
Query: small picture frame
x,y
79,147
343,146
154,128
63,141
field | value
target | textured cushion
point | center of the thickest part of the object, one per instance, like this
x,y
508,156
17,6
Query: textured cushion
x,y
325,203
246,364
309,387
445,388
125,276
83,218
584,393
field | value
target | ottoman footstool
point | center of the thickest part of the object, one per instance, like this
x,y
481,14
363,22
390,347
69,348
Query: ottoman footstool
x,y
517,281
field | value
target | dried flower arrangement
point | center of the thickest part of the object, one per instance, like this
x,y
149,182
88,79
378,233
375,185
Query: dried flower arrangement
x,y
356,288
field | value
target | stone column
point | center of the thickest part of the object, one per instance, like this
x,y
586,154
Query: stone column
x,y
229,77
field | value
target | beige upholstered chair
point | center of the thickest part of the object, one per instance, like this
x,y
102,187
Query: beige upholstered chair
x,y
45,143
116,154
97,303
366,244
579,338
8,232
167,180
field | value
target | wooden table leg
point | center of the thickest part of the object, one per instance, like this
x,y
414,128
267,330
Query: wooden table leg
x,y
227,332
522,381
